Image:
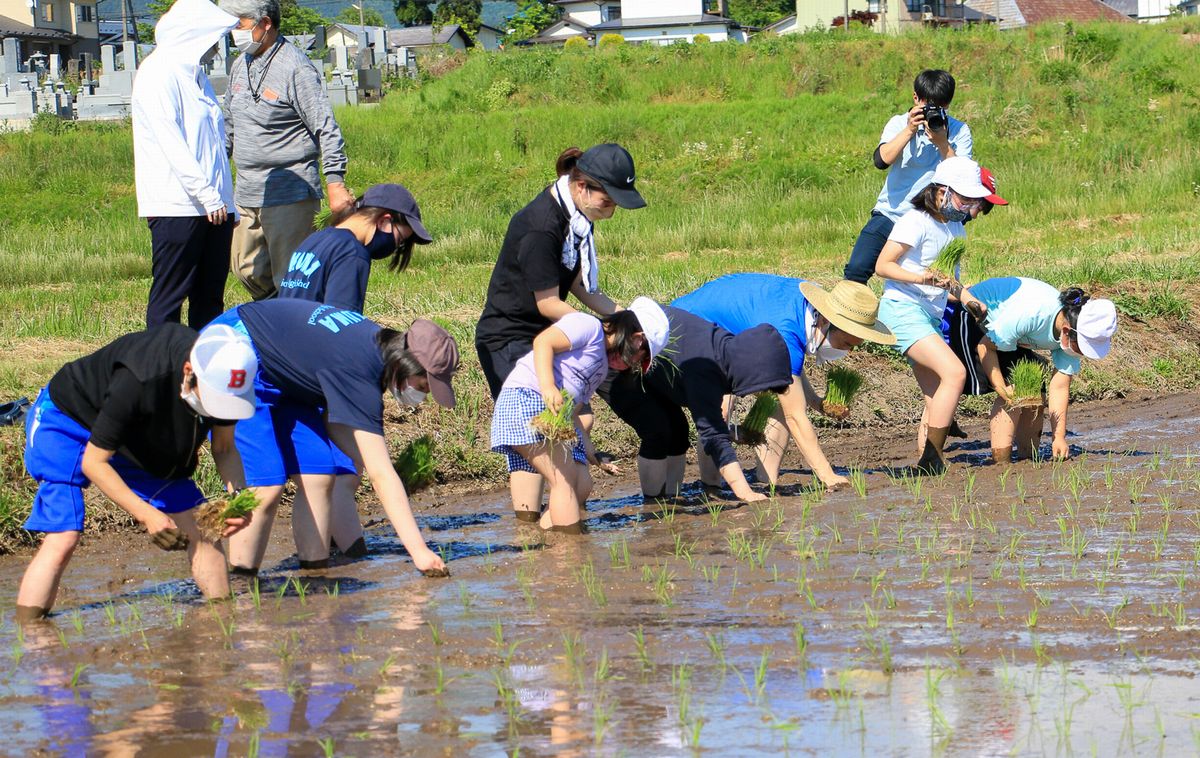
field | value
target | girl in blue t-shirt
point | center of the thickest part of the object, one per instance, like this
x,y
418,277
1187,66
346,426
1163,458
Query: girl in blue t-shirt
x,y
1026,315
575,354
914,297
332,266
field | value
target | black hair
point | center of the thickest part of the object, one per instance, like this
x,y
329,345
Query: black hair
x,y
935,86
400,259
623,325
1072,301
927,200
398,362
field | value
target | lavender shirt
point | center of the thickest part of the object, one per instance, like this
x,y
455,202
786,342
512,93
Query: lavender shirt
x,y
579,370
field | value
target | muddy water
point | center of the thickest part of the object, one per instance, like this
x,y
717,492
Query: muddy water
x,y
1049,609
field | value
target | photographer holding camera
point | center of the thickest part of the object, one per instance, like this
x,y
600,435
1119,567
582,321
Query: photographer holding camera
x,y
910,148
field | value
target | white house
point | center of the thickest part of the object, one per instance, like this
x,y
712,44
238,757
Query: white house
x,y
1146,11
657,22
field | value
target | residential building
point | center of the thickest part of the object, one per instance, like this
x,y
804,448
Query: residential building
x,y
424,38
1146,11
1016,14
657,22
892,16
65,27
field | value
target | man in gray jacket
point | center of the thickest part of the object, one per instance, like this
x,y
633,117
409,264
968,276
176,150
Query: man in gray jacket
x,y
281,134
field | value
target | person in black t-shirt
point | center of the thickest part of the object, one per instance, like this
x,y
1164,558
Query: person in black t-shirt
x,y
130,418
548,252
319,410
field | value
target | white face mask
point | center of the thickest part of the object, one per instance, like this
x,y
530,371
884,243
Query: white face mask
x,y
193,400
244,40
1065,343
820,349
409,396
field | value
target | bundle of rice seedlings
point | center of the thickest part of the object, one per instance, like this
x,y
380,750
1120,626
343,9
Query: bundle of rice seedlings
x,y
947,261
841,385
211,514
415,464
557,427
750,431
1027,377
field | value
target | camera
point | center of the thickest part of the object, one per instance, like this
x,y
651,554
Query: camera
x,y
935,117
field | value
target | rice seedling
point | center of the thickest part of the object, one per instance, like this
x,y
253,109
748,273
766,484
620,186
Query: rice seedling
x,y
573,651
602,712
591,583
751,429
415,464
841,385
556,426
639,643
1027,377
948,260
618,553
603,670
79,669
326,745
212,513
716,646
436,634
18,646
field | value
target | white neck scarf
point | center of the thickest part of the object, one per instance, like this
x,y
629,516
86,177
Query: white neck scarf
x,y
579,238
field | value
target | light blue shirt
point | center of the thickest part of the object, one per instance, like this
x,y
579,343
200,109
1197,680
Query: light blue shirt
x,y
1021,313
913,170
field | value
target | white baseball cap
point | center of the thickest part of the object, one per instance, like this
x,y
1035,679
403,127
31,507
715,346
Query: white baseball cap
x,y
224,364
961,175
1096,325
655,326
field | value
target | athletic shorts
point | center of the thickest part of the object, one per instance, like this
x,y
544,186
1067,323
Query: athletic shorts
x,y
515,408
908,321
283,437
963,334
54,444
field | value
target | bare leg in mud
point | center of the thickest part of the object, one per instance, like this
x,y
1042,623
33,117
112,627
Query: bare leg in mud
x,y
248,546
570,483
207,559
39,586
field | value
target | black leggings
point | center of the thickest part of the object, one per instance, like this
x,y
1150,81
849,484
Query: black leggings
x,y
660,423
498,364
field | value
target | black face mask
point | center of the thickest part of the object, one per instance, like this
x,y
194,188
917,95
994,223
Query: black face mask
x,y
382,244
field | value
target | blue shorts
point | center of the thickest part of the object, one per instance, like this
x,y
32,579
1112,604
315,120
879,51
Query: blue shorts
x,y
909,322
54,444
283,438
515,408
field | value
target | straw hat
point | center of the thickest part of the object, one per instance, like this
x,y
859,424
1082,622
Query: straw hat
x,y
851,307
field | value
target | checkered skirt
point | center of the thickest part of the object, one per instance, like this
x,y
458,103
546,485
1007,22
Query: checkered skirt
x,y
515,408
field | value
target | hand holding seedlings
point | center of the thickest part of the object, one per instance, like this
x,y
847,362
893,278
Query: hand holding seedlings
x,y
221,518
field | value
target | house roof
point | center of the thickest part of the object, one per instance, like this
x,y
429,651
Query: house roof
x,y
303,41
1041,11
13,28
644,23
1128,7
417,36
783,22
1010,12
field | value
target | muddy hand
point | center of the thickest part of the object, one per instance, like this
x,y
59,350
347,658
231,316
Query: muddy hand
x,y
171,538
841,413
431,564
836,483
607,463
235,525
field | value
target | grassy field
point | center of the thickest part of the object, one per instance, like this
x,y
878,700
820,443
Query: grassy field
x,y
752,157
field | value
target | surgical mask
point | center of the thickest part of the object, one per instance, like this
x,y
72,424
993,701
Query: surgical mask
x,y
824,352
949,211
1065,343
193,401
382,244
409,396
244,40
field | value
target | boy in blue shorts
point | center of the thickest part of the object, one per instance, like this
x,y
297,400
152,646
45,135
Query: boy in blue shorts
x,y
130,418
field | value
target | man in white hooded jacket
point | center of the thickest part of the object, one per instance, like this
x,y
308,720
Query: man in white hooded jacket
x,y
184,183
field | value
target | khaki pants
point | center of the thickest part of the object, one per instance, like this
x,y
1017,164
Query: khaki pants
x,y
264,241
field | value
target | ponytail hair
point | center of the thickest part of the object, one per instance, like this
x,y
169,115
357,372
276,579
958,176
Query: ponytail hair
x,y
926,200
398,260
622,326
566,166
398,362
1072,301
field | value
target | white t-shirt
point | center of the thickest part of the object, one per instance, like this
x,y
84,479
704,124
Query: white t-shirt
x,y
925,236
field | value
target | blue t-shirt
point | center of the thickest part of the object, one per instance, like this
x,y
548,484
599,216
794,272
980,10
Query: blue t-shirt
x,y
913,170
330,266
321,356
1021,313
737,302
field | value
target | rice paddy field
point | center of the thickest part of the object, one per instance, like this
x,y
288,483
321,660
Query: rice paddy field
x,y
1040,608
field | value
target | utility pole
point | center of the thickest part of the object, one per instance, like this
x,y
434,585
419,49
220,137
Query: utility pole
x,y
846,15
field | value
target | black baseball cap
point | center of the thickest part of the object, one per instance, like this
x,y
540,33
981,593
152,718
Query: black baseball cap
x,y
396,198
612,166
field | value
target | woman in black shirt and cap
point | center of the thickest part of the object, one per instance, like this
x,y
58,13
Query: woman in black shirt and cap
x,y
548,252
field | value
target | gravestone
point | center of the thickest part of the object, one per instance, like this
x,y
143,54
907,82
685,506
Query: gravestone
x,y
18,99
111,99
341,61
55,67
218,74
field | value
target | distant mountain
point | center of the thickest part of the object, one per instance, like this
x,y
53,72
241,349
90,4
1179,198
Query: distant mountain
x,y
494,11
